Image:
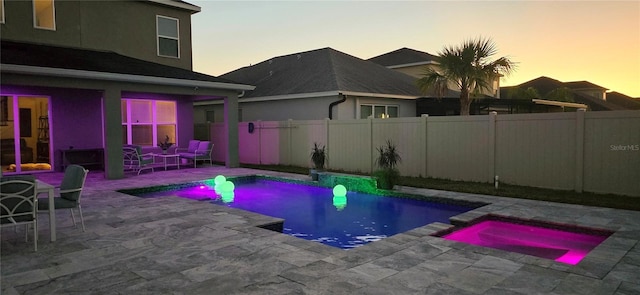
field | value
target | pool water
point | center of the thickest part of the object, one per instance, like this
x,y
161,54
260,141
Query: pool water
x,y
313,213
562,246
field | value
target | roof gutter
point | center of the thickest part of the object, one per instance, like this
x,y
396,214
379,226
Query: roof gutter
x,y
82,74
178,4
331,105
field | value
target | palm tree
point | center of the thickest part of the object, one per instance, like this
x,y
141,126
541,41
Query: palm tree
x,y
468,67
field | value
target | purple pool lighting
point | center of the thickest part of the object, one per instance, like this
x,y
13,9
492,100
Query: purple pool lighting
x,y
317,214
562,246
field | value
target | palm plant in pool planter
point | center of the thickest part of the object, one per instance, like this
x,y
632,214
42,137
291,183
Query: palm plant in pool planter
x,y
318,157
388,159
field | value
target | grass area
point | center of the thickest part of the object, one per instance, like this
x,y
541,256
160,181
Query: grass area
x,y
504,190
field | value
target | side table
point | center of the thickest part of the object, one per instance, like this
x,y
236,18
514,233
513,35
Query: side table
x,y
164,157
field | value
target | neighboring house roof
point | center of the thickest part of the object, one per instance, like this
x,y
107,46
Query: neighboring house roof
x,y
403,57
622,100
545,85
18,56
323,70
178,4
583,85
542,84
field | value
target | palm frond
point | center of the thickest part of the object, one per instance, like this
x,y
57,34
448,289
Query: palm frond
x,y
468,66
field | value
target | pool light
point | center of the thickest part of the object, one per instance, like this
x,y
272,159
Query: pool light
x,y
227,197
220,179
339,190
340,202
227,187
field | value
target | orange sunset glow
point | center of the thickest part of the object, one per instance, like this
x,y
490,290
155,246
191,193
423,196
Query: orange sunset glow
x,y
596,41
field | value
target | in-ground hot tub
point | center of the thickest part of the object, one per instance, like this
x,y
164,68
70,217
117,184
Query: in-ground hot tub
x,y
567,245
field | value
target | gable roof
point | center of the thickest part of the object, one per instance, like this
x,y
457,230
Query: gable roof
x,y
622,100
542,84
545,85
583,85
75,61
403,56
323,70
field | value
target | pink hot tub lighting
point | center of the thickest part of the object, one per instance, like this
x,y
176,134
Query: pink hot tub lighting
x,y
562,246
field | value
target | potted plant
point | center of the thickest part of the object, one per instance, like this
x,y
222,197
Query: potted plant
x,y
165,145
388,158
318,157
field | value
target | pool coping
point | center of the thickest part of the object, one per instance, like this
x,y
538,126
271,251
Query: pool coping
x,y
596,264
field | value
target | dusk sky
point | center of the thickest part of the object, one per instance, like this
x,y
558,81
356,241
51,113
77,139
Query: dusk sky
x,y
597,41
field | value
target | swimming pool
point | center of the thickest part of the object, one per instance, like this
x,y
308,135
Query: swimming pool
x,y
313,213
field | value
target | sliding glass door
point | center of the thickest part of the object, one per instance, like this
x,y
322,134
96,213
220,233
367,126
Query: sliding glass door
x,y
24,134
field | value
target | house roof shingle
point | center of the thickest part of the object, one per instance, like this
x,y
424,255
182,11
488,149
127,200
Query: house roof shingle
x,y
622,100
403,56
545,85
38,55
583,85
321,70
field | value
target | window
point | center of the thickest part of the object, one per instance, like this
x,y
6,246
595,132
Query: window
x,y
148,122
44,15
211,116
378,111
168,37
1,11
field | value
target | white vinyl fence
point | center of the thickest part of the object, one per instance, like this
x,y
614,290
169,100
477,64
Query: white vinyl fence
x,y
590,151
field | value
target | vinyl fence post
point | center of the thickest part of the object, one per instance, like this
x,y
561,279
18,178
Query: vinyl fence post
x,y
326,143
579,172
289,147
259,142
424,118
492,146
371,148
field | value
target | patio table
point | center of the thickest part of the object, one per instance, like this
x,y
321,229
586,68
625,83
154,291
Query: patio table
x,y
176,159
41,188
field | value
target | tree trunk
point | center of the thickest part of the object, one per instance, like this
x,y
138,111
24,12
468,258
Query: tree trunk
x,y
465,103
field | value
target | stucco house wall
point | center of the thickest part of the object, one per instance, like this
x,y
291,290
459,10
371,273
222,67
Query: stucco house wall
x,y
308,108
124,27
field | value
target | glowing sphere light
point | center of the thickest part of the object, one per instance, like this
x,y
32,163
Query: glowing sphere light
x,y
227,197
340,202
339,190
220,179
228,186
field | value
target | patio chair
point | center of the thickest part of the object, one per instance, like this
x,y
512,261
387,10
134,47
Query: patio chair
x,y
18,204
202,153
69,193
134,159
193,146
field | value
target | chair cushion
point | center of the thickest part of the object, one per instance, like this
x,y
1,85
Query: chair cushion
x,y
73,178
193,146
187,155
59,203
145,161
17,219
204,147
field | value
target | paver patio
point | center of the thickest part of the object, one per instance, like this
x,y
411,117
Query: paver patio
x,y
172,245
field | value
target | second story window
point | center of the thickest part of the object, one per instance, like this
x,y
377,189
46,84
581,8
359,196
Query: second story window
x,y
1,11
44,14
168,37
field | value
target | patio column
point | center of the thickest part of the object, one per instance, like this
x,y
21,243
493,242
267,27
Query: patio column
x,y
112,133
231,127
